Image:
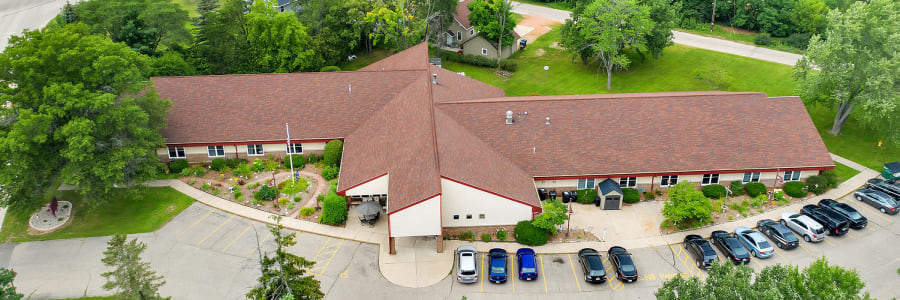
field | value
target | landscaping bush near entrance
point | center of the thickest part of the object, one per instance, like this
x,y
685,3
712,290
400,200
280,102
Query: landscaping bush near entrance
x,y
329,172
630,195
817,184
795,189
830,177
714,191
332,153
218,164
586,196
737,188
177,165
334,210
528,234
266,193
755,189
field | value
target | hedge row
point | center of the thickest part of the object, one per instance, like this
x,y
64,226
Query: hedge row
x,y
714,191
630,195
334,210
528,234
755,189
480,61
586,196
795,189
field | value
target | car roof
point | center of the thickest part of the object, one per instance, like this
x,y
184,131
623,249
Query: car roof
x,y
766,222
808,221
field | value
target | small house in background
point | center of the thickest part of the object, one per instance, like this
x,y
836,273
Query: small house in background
x,y
609,194
286,5
462,36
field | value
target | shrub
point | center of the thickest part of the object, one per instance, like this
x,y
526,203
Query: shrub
x,y
714,191
755,189
759,201
258,165
332,153
586,196
466,236
307,211
191,182
176,166
299,161
218,164
817,184
630,195
830,178
205,186
320,197
737,188
297,199
649,196
798,40
762,39
271,165
238,194
795,189
528,234
266,193
329,172
216,192
234,163
330,69
334,210
486,237
501,234
509,65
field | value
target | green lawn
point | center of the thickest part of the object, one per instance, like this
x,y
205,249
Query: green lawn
x,y
722,33
855,143
363,59
142,212
844,172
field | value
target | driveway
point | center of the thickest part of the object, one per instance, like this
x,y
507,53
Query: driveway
x,y
18,15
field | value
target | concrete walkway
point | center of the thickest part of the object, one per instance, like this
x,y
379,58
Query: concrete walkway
x,y
849,163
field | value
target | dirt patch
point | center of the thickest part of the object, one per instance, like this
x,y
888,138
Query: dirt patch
x,y
541,26
539,52
555,45
735,29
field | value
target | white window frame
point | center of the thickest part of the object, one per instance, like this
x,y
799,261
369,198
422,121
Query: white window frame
x,y
292,149
754,177
183,155
629,182
791,176
709,179
257,150
483,51
219,150
458,35
583,183
669,180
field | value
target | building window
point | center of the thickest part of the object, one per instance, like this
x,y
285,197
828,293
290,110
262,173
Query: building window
x,y
791,176
481,216
627,181
669,180
751,177
710,179
468,217
176,152
483,51
471,32
215,151
456,217
295,148
458,36
255,150
585,183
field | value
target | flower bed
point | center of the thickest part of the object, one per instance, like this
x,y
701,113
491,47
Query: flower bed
x,y
279,195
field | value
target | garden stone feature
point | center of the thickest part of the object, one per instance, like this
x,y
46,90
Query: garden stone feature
x,y
45,221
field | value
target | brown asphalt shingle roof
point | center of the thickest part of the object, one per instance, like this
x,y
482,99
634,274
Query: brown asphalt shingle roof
x,y
462,13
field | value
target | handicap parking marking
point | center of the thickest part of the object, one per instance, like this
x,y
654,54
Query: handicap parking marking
x,y
680,255
573,272
260,244
541,257
215,230
326,255
195,223
237,237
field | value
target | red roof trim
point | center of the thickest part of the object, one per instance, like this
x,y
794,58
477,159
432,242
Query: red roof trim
x,y
489,192
411,205
680,173
344,191
250,142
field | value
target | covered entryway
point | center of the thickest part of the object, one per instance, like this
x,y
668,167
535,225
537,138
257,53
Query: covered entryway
x,y
609,194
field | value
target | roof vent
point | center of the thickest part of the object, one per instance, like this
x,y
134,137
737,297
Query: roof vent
x,y
434,78
509,117
350,88
534,149
548,121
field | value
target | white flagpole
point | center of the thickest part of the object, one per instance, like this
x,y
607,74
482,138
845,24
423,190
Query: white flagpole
x,y
290,156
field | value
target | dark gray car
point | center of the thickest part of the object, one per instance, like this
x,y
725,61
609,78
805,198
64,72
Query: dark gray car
x,y
881,201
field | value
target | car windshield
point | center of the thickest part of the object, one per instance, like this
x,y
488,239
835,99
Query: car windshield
x,y
854,215
890,201
498,269
528,270
789,236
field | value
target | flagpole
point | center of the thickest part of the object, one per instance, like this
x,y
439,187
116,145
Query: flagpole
x,y
290,156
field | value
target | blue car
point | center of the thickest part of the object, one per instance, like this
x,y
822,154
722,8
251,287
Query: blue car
x,y
527,265
755,242
497,273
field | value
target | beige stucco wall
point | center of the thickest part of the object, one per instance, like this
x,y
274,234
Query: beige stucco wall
x,y
462,200
378,186
199,154
421,219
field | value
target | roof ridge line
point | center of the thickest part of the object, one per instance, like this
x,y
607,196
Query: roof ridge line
x,y
578,97
374,113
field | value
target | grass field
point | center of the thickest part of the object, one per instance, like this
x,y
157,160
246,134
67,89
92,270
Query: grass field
x,y
744,38
143,212
844,172
363,59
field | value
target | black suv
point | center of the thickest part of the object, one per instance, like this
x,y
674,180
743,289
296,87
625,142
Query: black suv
x,y
857,221
778,233
592,265
834,223
731,247
701,250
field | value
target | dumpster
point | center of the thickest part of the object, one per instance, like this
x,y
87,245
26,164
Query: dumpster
x,y
891,171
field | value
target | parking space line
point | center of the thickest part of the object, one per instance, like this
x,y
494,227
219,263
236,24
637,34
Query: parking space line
x,y
851,235
782,257
826,241
328,260
545,274
482,273
573,272
515,273
680,259
214,230
804,248
260,244
756,262
195,223
684,259
237,237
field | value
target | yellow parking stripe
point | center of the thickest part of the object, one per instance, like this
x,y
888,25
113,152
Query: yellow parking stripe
x,y
826,241
782,257
260,244
544,276
573,272
327,260
214,230
515,273
195,223
804,248
754,260
851,235
482,273
237,237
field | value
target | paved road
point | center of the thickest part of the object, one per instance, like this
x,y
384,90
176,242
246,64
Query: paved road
x,y
18,15
693,40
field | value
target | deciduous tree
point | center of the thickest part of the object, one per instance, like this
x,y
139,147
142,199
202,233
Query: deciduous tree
x,y
131,277
493,20
857,67
687,204
554,213
665,17
7,288
394,23
278,42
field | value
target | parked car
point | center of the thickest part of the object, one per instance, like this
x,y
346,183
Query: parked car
x,y
881,201
778,233
834,224
889,187
701,250
731,247
624,264
592,265
809,229
497,273
755,242
467,264
526,262
857,221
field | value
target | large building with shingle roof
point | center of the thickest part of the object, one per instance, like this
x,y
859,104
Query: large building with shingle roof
x,y
444,151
